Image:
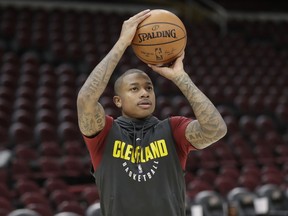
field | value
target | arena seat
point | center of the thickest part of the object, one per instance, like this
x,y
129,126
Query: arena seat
x,y
23,104
93,210
211,202
67,214
74,148
45,102
46,56
26,185
6,193
21,169
4,142
28,198
71,206
25,152
224,184
41,209
72,166
49,167
24,117
243,200
276,197
5,204
8,81
45,116
55,183
232,123
250,181
207,175
45,133
59,196
196,186
23,212
50,149
90,195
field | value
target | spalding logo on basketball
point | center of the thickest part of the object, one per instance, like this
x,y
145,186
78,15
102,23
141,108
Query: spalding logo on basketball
x,y
160,38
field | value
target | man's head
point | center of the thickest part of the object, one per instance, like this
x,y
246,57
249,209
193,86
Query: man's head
x,y
134,94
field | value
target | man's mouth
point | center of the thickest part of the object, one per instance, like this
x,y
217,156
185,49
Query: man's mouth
x,y
145,104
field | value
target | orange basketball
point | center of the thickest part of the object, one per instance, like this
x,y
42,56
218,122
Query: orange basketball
x,y
160,38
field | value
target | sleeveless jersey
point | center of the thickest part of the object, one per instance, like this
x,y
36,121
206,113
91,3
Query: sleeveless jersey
x,y
139,172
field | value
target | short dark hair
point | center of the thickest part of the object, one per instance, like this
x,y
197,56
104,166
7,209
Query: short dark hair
x,y
119,80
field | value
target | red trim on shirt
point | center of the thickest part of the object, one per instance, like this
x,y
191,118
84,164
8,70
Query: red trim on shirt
x,y
96,144
179,125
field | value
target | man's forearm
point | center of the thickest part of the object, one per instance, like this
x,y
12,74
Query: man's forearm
x,y
98,79
211,122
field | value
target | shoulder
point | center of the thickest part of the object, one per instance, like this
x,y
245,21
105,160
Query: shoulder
x,y
108,125
176,121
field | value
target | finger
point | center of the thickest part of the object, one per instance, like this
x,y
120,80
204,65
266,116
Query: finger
x,y
141,15
156,69
181,57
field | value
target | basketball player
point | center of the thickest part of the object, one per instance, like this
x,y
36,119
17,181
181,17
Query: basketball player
x,y
138,160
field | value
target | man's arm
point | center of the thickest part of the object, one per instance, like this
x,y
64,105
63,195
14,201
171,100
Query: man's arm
x,y
209,125
91,115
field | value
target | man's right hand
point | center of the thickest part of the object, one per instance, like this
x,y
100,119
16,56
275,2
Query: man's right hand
x,y
129,26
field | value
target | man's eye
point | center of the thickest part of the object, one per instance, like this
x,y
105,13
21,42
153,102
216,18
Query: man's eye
x,y
134,89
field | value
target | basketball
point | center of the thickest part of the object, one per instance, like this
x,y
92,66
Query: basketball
x,y
160,38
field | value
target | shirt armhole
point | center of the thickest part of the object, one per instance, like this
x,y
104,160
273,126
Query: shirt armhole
x,y
178,126
96,144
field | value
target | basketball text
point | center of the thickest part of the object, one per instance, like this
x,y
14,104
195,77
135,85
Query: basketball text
x,y
171,33
125,151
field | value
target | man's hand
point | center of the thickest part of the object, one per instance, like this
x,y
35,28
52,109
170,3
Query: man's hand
x,y
173,71
129,26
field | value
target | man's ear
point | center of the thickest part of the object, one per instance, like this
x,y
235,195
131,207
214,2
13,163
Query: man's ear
x,y
117,101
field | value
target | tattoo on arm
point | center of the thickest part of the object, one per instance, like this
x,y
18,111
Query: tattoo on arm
x,y
209,126
91,123
91,115
99,78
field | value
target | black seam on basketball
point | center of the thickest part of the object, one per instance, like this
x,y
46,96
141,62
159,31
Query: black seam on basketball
x,y
137,44
161,23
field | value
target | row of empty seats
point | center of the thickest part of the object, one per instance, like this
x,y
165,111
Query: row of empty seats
x,y
46,56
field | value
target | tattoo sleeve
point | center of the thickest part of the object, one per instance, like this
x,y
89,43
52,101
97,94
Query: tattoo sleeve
x,y
91,115
209,126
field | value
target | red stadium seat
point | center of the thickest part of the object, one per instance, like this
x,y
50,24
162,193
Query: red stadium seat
x,y
25,185
224,184
20,134
20,169
41,209
33,198
6,193
196,186
50,149
207,175
53,184
59,196
71,206
249,181
72,166
49,167
5,206
46,116
26,153
90,195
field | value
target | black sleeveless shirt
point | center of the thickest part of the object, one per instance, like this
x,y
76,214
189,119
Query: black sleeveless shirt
x,y
140,173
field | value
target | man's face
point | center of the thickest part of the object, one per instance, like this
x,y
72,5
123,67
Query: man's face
x,y
136,96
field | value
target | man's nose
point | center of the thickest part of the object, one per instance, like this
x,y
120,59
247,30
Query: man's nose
x,y
144,93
